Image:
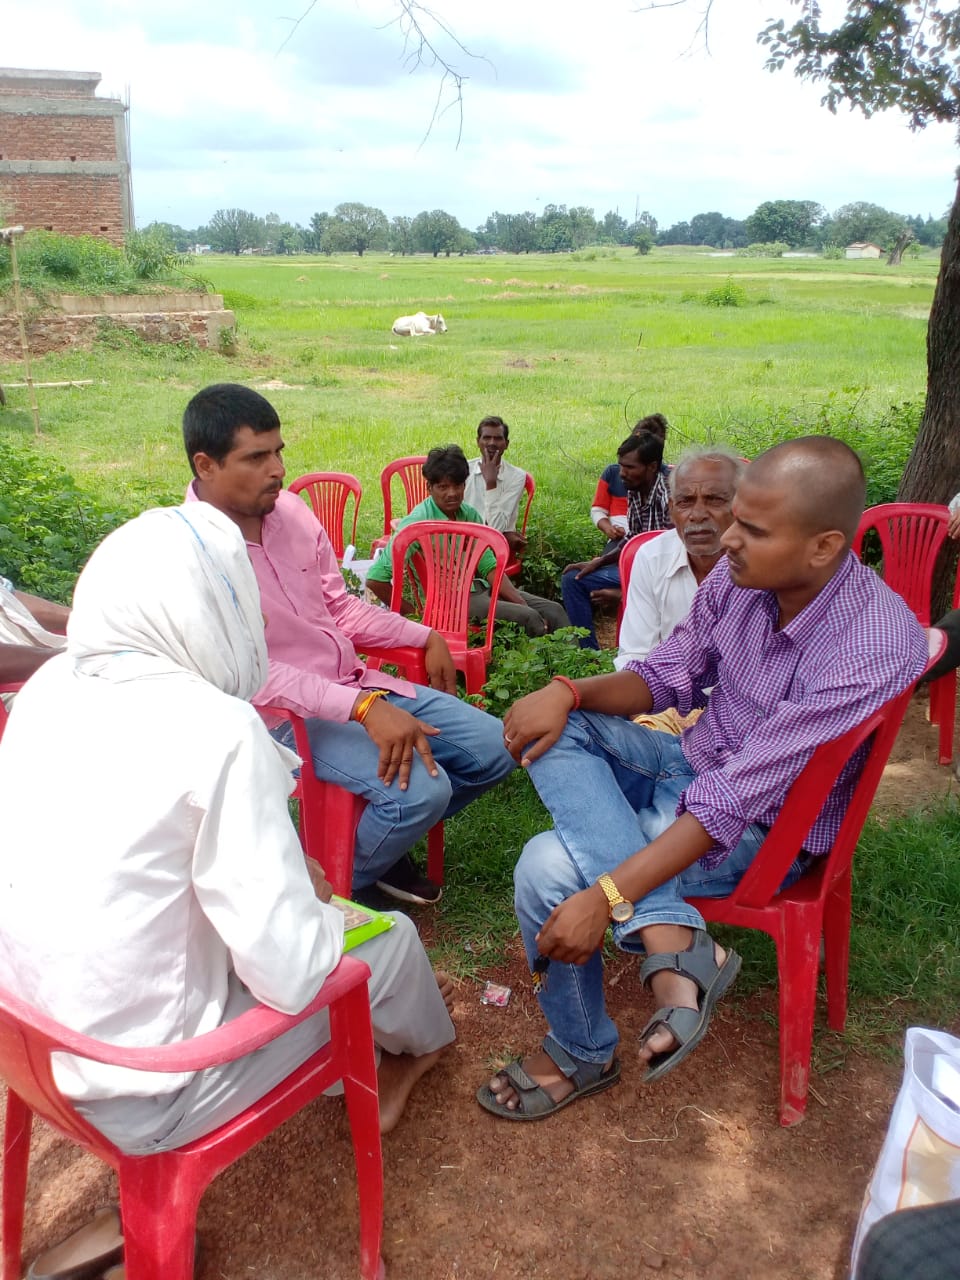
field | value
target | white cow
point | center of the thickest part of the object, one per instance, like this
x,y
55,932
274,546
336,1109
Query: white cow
x,y
420,325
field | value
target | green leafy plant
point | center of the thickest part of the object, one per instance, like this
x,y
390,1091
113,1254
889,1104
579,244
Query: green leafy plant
x,y
727,294
48,525
523,663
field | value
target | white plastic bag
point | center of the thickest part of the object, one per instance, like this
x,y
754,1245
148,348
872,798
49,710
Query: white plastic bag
x,y
919,1162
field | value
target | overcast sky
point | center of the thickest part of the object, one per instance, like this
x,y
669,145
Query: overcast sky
x,y
598,104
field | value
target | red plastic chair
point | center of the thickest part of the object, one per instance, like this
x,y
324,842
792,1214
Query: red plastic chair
x,y
439,559
329,492
159,1194
529,488
817,906
329,815
410,472
911,535
625,565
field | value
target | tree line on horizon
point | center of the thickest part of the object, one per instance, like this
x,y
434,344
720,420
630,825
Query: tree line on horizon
x,y
354,228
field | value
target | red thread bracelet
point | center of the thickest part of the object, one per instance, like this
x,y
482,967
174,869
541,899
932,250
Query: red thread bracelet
x,y
573,689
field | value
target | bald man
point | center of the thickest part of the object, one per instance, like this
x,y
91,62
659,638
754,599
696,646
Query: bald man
x,y
799,642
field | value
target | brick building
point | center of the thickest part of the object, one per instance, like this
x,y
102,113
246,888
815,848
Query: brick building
x,y
64,154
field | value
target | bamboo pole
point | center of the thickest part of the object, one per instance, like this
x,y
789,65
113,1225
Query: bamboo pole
x,y
8,235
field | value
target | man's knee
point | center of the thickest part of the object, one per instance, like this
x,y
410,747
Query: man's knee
x,y
544,876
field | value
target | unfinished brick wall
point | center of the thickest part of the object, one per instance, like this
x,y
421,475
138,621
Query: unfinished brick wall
x,y
35,137
64,154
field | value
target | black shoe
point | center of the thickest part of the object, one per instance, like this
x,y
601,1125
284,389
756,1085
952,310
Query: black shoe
x,y
405,882
374,898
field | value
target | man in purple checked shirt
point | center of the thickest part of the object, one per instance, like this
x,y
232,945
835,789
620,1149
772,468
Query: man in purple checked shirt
x,y
799,642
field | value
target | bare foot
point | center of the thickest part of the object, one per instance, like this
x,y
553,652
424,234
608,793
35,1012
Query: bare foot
x,y
447,989
541,1067
672,990
396,1076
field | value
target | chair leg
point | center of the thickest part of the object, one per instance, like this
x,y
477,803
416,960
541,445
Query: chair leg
x,y
797,963
363,1112
836,944
16,1157
159,1199
943,711
435,853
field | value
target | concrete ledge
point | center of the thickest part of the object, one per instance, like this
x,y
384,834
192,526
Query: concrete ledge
x,y
172,318
115,304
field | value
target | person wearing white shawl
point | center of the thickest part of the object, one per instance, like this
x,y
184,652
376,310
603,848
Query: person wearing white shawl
x,y
157,888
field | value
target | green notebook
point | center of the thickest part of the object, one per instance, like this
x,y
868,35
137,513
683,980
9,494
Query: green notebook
x,y
360,923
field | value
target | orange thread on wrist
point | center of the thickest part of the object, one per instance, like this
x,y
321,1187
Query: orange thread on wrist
x,y
565,680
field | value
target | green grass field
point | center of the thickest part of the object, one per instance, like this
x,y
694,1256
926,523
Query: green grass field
x,y
571,351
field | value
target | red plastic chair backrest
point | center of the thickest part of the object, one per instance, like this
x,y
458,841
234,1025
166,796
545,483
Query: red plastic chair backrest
x,y
911,535
809,793
625,565
28,1038
410,471
529,488
328,493
439,560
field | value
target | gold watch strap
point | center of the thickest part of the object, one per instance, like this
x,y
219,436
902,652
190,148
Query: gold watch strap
x,y
614,896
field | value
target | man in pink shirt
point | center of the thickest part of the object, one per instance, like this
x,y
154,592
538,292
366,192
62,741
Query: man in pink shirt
x,y
416,755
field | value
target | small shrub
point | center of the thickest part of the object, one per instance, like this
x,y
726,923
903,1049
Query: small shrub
x,y
727,294
771,249
152,254
89,264
521,664
832,251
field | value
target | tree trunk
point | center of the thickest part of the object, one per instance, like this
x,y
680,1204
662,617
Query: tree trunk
x,y
932,473
895,256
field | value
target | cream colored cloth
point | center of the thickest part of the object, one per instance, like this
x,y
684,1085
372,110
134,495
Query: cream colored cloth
x,y
669,721
152,856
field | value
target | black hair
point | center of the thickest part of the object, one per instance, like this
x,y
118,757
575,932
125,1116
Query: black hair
x,y
647,447
655,423
215,414
447,462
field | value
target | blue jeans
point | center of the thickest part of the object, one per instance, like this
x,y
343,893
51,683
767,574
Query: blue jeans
x,y
611,787
469,753
577,602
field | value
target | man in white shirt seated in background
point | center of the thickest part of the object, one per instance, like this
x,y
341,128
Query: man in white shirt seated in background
x,y
495,487
668,569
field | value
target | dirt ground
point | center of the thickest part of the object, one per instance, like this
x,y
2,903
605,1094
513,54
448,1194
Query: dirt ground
x,y
690,1177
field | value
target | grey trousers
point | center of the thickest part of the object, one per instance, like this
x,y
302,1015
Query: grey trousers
x,y
536,615
408,1015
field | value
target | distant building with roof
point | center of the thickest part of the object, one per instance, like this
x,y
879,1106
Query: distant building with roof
x,y
864,249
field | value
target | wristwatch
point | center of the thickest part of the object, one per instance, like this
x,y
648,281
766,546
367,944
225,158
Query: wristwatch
x,y
620,909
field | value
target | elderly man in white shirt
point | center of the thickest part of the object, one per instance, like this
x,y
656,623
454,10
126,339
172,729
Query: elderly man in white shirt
x,y
668,569
495,487
165,892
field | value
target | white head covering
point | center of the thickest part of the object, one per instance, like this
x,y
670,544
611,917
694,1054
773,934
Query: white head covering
x,y
172,593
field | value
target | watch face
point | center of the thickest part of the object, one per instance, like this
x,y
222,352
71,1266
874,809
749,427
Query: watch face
x,y
622,911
